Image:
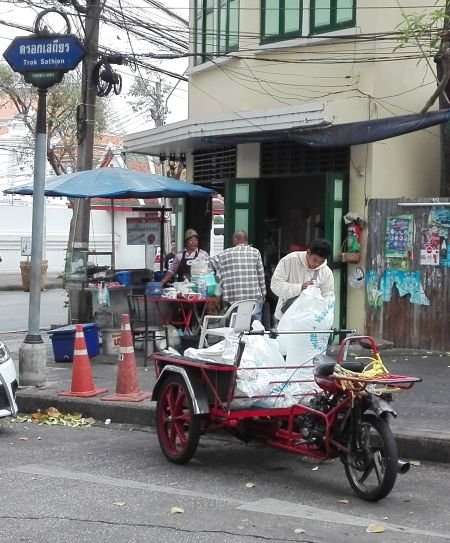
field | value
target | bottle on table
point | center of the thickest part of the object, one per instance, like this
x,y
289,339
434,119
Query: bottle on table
x,y
202,287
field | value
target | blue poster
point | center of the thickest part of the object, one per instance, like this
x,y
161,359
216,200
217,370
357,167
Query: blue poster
x,y
440,216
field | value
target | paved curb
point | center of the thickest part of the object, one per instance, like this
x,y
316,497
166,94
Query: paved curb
x,y
425,445
48,286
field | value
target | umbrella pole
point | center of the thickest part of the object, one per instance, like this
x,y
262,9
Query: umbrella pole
x,y
113,245
161,233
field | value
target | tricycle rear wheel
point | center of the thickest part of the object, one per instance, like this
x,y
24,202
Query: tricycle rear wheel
x,y
371,466
178,428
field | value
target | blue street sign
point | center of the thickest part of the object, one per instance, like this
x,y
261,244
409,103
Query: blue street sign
x,y
35,53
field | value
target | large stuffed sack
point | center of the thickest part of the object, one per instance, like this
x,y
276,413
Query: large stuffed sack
x,y
310,311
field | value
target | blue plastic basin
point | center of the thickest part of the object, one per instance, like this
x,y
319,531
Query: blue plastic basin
x,y
153,289
124,278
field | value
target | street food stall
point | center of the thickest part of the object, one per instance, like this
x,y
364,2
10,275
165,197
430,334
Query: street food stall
x,y
106,287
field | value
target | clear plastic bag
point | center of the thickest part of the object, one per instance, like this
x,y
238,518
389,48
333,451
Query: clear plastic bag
x,y
103,298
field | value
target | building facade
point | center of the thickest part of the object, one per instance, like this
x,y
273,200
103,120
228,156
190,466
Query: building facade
x,y
267,80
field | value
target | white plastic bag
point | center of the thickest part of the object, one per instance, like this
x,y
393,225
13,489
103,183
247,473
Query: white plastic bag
x,y
212,353
311,311
251,381
286,391
259,349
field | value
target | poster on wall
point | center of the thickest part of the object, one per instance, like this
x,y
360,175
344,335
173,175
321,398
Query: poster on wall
x,y
439,221
430,245
443,250
143,231
399,237
440,216
25,246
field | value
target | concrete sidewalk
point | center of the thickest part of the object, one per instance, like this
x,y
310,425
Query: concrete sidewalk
x,y
13,281
422,428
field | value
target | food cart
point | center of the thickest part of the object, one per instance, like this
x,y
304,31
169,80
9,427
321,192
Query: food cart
x,y
114,183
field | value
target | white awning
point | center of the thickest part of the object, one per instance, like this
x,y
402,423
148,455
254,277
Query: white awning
x,y
187,135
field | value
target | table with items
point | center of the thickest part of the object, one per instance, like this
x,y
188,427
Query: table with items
x,y
187,312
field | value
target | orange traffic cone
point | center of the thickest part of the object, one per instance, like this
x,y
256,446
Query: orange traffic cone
x,y
82,381
127,387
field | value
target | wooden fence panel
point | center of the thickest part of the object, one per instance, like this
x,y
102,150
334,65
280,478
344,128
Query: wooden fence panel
x,y
407,324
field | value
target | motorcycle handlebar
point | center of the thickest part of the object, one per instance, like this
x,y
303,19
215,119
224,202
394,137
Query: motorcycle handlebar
x,y
275,333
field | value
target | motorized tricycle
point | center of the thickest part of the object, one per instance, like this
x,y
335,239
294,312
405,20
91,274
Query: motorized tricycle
x,y
346,416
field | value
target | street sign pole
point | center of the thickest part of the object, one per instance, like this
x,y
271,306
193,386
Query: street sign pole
x,y
42,59
32,354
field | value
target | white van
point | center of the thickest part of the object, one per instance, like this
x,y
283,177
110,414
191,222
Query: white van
x,y
217,235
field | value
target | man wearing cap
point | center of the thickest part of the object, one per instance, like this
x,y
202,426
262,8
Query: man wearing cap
x,y
181,264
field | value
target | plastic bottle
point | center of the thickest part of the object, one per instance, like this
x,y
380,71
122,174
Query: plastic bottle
x,y
443,249
202,287
218,290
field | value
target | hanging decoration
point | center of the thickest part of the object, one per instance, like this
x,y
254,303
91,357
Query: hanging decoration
x,y
351,246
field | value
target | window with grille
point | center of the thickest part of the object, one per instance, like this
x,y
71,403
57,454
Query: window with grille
x,y
281,19
216,28
285,19
290,158
212,164
328,15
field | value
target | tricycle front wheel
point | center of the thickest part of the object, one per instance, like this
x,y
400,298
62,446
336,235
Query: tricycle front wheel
x,y
371,465
178,428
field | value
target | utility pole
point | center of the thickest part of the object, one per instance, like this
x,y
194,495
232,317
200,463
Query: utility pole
x,y
159,116
85,154
443,68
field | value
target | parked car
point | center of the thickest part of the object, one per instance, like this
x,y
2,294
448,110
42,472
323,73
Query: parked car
x,y
8,383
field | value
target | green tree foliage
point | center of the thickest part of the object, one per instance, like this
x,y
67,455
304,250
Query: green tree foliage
x,y
431,32
62,103
426,29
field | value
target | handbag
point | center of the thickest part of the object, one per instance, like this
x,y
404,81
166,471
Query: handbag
x,y
287,304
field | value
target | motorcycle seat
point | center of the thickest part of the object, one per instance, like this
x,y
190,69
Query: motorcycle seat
x,y
325,370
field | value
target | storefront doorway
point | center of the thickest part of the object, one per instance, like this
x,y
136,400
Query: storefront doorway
x,y
285,214
301,194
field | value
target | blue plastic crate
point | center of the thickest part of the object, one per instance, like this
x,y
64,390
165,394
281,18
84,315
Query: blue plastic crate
x,y
63,340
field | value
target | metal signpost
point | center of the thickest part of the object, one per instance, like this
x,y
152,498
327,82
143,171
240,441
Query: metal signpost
x,y
43,59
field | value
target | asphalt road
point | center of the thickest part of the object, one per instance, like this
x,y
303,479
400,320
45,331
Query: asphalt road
x,y
14,309
112,484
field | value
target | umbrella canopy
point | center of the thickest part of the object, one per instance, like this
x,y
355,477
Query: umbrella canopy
x,y
115,183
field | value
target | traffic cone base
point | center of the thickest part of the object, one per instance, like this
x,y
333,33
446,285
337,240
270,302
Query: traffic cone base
x,y
130,397
127,387
82,380
88,394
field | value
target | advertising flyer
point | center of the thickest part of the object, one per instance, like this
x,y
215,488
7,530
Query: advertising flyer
x,y
430,246
399,236
439,221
